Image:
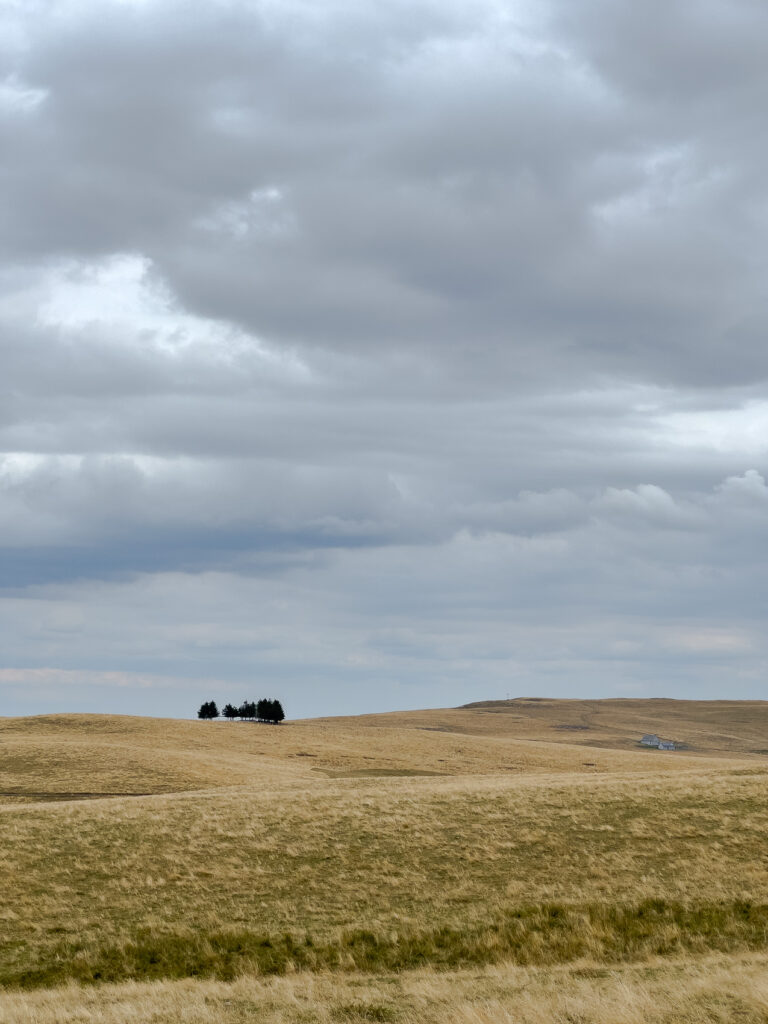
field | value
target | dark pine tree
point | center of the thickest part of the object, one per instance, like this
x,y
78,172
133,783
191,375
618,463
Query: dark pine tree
x,y
262,710
278,715
247,709
230,711
208,709
274,712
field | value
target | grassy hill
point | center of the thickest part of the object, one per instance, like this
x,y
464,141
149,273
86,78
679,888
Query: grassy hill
x,y
710,728
103,754
516,858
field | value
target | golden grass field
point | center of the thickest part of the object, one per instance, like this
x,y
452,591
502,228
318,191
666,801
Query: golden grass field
x,y
520,861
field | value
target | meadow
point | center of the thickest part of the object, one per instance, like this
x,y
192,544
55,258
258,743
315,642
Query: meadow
x,y
523,861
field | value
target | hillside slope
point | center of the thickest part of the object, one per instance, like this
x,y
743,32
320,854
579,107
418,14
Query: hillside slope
x,y
522,836
710,728
79,755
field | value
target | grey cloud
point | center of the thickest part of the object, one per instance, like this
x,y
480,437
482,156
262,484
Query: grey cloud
x,y
693,52
428,206
432,335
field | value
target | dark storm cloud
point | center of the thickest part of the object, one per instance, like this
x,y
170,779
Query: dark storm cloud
x,y
426,335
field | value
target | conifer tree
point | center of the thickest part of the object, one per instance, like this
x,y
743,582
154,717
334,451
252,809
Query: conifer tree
x,y
247,709
278,715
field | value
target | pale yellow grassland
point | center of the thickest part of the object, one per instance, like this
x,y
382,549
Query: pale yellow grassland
x,y
326,855
719,728
322,826
712,990
124,754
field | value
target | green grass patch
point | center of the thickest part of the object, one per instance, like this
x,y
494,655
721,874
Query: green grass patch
x,y
535,935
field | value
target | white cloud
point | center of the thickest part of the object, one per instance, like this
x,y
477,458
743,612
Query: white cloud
x,y
17,98
121,300
651,503
749,487
742,429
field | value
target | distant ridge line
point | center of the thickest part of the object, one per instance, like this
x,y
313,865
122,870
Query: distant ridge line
x,y
511,701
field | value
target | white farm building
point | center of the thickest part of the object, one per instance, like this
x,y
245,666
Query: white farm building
x,y
652,740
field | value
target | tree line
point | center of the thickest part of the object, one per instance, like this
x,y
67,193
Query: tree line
x,y
264,710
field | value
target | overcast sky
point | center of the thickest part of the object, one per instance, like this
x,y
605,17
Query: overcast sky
x,y
380,355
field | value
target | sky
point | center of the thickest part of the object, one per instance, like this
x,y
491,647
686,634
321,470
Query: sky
x,y
381,355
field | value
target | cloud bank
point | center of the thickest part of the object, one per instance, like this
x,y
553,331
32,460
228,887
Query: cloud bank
x,y
391,355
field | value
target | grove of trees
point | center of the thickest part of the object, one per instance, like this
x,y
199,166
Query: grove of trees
x,y
208,710
265,710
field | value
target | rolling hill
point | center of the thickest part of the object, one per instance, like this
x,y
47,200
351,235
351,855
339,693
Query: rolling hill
x,y
521,860
82,755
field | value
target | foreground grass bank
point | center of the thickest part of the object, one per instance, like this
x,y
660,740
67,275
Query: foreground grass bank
x,y
710,990
542,935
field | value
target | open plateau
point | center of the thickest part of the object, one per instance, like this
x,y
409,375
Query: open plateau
x,y
522,861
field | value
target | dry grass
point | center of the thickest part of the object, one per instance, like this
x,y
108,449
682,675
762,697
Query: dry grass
x,y
82,754
459,837
706,728
340,854
712,990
